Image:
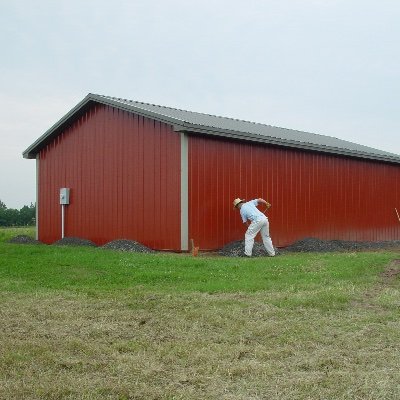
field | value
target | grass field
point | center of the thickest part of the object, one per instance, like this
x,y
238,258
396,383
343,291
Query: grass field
x,y
87,323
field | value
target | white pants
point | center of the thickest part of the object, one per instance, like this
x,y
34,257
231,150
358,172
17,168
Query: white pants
x,y
255,227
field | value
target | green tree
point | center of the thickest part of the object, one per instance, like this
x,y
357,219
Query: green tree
x,y
27,215
3,218
13,217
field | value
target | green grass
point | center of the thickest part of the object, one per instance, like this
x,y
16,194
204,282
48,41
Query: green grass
x,y
8,233
33,268
87,323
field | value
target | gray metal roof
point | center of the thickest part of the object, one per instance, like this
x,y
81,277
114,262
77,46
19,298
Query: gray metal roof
x,y
190,121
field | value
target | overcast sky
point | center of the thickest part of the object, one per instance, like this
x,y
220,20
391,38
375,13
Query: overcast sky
x,y
324,66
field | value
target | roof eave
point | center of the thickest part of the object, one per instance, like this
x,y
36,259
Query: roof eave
x,y
184,126
34,148
285,143
137,110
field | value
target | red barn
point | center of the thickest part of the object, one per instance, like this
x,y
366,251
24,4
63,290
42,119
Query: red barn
x,y
162,176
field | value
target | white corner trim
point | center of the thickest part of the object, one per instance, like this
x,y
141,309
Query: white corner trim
x,y
184,193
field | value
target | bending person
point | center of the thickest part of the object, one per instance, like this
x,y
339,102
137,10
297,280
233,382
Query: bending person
x,y
256,222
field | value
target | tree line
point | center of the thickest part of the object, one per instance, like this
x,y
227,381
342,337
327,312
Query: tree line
x,y
13,217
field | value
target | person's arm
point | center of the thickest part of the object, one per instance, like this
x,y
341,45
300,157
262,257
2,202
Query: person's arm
x,y
262,201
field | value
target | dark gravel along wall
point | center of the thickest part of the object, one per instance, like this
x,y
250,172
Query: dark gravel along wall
x,y
23,239
127,245
74,241
236,249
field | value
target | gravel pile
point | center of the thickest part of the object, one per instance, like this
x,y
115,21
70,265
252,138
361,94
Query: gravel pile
x,y
318,245
236,249
23,239
127,245
74,241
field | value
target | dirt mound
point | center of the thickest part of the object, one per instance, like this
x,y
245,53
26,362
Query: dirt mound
x,y
74,241
23,239
127,245
392,270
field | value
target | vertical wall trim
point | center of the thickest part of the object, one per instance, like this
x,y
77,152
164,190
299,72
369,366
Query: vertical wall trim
x,y
37,197
184,193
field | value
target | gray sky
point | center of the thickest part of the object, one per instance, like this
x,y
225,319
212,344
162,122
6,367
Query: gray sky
x,y
324,66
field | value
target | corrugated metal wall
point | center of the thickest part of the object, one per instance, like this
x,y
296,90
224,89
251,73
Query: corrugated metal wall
x,y
123,171
124,175
312,194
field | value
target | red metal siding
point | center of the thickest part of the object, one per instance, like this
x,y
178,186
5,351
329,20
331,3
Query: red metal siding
x,y
123,171
312,194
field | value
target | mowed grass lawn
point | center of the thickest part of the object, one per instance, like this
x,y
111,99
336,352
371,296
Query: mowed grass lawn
x,y
88,323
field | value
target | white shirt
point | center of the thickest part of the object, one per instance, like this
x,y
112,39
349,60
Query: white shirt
x,y
249,211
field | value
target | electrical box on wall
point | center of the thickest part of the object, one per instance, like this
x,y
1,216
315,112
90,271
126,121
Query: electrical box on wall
x,y
64,196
